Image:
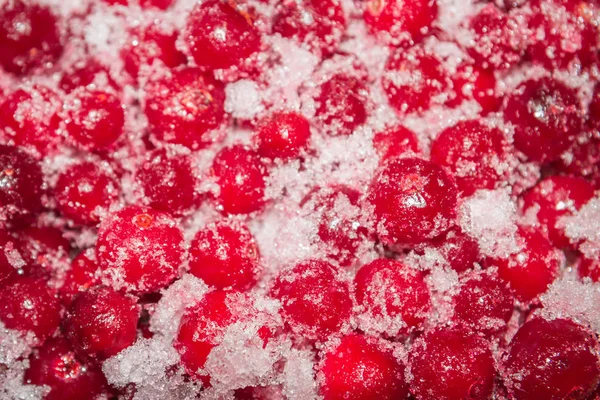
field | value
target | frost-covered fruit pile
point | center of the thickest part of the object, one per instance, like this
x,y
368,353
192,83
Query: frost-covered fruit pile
x,y
299,199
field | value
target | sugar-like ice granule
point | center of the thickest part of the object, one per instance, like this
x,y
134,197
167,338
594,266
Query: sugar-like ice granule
x,y
243,99
12,386
584,227
299,376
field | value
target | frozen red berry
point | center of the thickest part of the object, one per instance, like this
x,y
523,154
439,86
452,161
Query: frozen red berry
x,y
82,275
393,294
413,201
546,116
11,260
582,159
594,109
240,174
225,254
282,135
451,364
341,104
475,153
471,82
160,4
84,73
139,249
459,250
551,360
84,192
589,268
101,322
315,302
45,247
30,36
221,34
56,367
29,305
360,368
394,142
184,107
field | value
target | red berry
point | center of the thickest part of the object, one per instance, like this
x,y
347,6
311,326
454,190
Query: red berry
x,y
11,260
451,364
28,305
139,248
392,292
546,116
360,369
551,360
160,4
101,322
394,142
475,153
168,181
555,197
473,83
85,191
240,174
56,366
400,22
282,135
29,36
341,104
414,201
221,34
315,303
319,24
184,107
583,158
20,185
460,250
84,73
484,303
44,246
589,268
225,255
82,275
594,109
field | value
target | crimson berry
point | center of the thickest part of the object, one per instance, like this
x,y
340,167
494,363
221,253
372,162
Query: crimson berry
x,y
20,185
184,106
84,73
583,158
555,197
168,181
341,104
594,109
240,174
589,268
139,248
101,322
82,275
551,360
84,192
44,246
160,4
29,36
282,135
414,201
28,305
413,80
225,254
484,303
11,260
360,369
394,142
221,34
451,364
319,24
546,116
391,291
459,250
475,153
473,83
315,303
56,366
400,22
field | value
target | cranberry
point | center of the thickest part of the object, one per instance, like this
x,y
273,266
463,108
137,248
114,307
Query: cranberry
x,y
551,360
85,191
341,104
475,153
29,36
44,246
451,364
392,291
160,4
413,79
589,268
168,181
282,135
240,174
319,24
101,322
81,276
555,197
315,303
583,158
184,107
221,34
20,185
394,142
473,83
400,22
11,260
28,305
460,250
84,73
484,303
414,201
139,248
594,109
56,366
359,368
225,255
546,116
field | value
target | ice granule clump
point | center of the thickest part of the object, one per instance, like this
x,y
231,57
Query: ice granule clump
x,y
243,99
584,228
